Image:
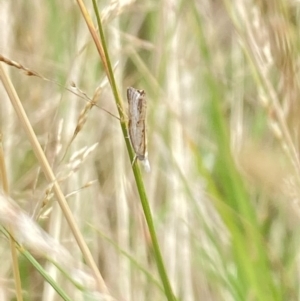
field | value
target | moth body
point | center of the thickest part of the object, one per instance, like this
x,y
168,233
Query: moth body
x,y
137,124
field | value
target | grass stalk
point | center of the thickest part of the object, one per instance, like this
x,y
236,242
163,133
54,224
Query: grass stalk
x,y
103,52
12,245
11,92
37,266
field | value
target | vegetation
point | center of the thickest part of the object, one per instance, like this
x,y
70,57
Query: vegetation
x,y
217,217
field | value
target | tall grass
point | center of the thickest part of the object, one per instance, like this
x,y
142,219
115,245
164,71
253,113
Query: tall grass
x,y
222,197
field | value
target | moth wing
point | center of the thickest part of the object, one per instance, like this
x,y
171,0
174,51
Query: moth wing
x,y
146,164
137,126
140,143
133,95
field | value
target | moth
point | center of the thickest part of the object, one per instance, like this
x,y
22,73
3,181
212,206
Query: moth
x,y
137,125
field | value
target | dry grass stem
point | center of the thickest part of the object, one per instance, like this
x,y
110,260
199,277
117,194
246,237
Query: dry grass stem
x,y
50,177
217,217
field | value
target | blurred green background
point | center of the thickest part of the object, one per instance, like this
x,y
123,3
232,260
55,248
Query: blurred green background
x,y
223,134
